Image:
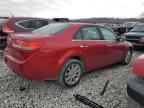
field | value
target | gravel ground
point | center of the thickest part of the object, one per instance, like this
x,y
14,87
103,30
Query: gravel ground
x,y
17,92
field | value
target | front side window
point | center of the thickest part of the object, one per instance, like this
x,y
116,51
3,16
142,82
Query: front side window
x,y
90,33
107,34
53,28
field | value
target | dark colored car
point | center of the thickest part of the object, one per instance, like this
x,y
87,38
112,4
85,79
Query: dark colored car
x,y
2,34
136,35
60,19
19,24
135,86
131,24
121,29
64,51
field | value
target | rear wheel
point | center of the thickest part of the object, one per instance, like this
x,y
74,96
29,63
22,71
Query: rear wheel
x,y
128,57
71,73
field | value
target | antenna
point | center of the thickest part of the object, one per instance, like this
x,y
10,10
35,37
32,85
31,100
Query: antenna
x,y
11,13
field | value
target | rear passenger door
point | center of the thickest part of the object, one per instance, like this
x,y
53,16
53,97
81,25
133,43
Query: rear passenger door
x,y
115,49
92,47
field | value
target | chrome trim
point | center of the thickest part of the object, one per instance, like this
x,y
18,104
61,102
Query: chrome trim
x,y
84,46
91,40
95,40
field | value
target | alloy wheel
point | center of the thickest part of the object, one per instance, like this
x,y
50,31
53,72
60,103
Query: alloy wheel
x,y
72,74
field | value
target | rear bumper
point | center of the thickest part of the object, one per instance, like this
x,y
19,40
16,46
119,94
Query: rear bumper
x,y
34,68
135,90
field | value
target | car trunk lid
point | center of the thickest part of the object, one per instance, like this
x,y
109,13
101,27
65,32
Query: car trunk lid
x,y
24,45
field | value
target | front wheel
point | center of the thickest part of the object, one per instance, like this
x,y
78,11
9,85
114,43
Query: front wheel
x,y
128,57
71,73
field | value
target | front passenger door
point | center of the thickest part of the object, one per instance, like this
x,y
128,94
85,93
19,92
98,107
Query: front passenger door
x,y
92,47
115,49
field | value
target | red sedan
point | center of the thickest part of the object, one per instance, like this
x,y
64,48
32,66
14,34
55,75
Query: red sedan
x,y
64,51
138,66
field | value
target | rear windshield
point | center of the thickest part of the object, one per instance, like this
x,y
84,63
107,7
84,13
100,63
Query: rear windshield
x,y
138,28
53,29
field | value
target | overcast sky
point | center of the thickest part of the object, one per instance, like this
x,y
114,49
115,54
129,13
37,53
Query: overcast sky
x,y
73,8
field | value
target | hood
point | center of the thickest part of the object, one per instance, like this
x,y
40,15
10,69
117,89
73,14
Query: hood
x,y
134,34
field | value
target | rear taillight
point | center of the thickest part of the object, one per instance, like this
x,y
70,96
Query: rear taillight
x,y
17,44
32,45
6,27
26,45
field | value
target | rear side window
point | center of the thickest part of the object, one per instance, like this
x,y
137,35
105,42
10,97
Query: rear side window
x,y
23,24
53,29
37,23
32,24
107,34
79,36
90,33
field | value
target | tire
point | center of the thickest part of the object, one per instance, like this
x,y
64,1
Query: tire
x,y
127,57
69,77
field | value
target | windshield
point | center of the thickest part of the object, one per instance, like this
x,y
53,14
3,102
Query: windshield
x,y
53,29
138,28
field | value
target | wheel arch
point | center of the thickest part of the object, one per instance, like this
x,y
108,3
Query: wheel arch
x,y
71,55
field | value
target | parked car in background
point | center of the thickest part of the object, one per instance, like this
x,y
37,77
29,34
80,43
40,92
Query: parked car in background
x,y
19,24
2,34
135,86
64,51
136,35
131,24
60,19
121,29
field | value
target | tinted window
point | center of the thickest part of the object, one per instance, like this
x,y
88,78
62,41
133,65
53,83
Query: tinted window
x,y
90,33
79,36
33,24
107,34
42,23
24,24
36,24
52,29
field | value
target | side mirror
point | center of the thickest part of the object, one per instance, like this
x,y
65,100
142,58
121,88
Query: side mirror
x,y
121,39
118,33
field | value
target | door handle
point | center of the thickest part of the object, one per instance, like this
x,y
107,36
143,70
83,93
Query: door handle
x,y
83,46
110,45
